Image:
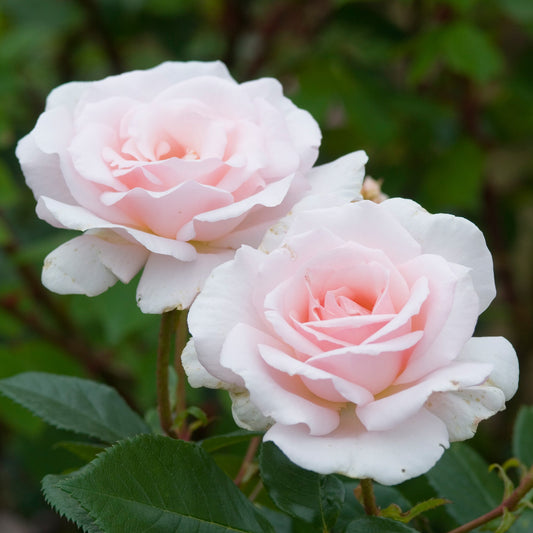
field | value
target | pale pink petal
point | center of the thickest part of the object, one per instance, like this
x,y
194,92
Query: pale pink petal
x,y
499,352
145,85
364,223
67,95
463,410
223,95
448,318
252,229
165,213
224,301
74,217
454,238
42,171
324,384
386,412
168,284
271,390
389,457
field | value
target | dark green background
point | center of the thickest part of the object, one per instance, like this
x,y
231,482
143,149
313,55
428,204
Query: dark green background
x,y
439,94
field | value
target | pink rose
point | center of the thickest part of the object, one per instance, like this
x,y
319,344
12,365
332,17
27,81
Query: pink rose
x,y
352,341
170,169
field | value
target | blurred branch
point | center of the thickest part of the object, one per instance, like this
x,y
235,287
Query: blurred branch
x,y
97,25
235,22
305,18
67,336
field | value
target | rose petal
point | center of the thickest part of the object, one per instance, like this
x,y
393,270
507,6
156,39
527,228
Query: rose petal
x,y
499,352
168,284
389,457
197,375
393,409
270,390
463,410
324,384
90,264
223,302
454,238
42,171
75,217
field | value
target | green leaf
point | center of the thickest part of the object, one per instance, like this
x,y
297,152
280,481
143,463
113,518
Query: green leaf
x,y
218,442
65,504
159,484
523,435
75,404
469,51
374,524
463,477
520,10
303,494
86,451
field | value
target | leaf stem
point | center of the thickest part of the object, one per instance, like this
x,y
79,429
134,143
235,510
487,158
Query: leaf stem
x,y
248,458
368,497
510,503
168,324
182,335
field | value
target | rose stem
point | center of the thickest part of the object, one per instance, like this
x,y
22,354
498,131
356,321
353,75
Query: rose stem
x,y
255,491
510,503
182,335
369,499
248,458
168,323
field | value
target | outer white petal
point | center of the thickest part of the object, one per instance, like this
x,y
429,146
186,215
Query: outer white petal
x,y
167,283
462,411
246,414
332,184
91,263
342,179
499,352
198,376
456,239
389,457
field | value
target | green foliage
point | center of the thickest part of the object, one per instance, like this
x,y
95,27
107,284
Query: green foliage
x,y
65,504
156,483
377,525
312,497
463,477
75,404
523,436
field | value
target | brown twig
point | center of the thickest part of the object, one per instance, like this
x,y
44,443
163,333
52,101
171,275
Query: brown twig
x,y
248,458
97,25
510,503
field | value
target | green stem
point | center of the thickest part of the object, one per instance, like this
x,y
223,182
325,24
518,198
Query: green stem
x,y
182,335
168,324
510,503
369,499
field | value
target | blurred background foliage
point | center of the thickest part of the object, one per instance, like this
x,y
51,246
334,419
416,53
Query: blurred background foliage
x,y
438,92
